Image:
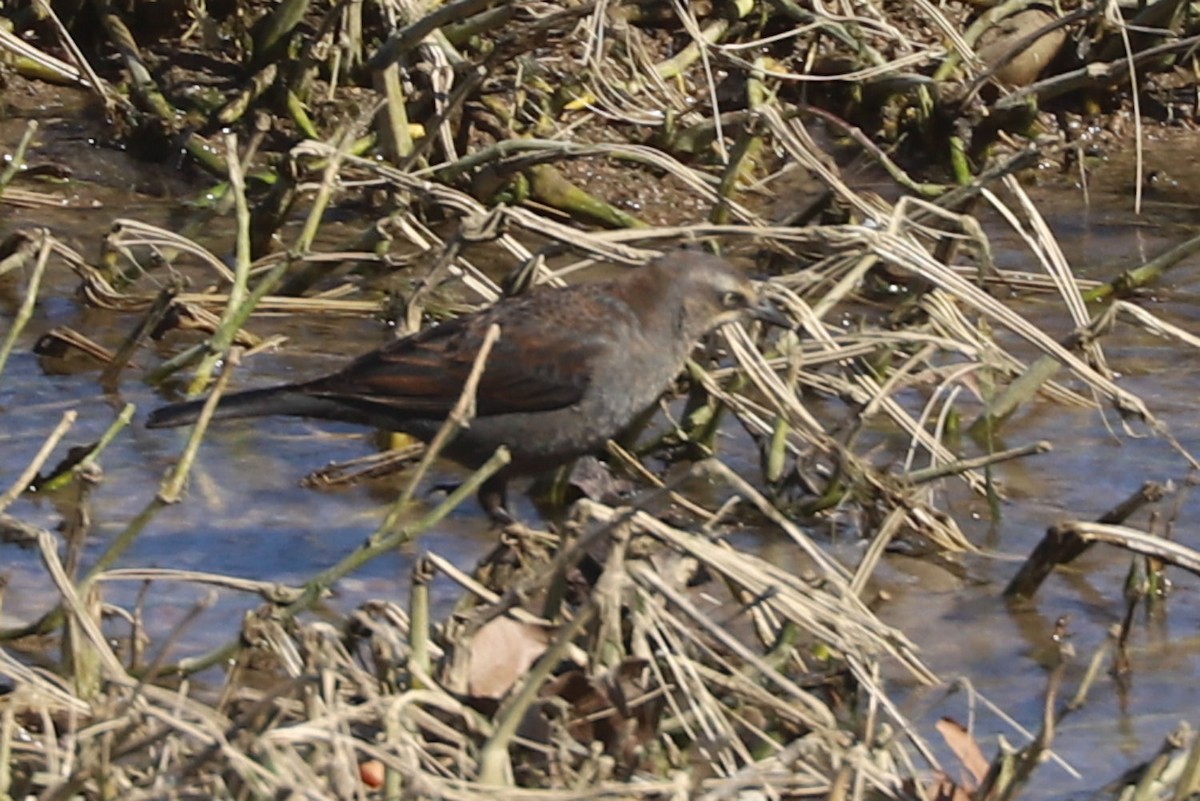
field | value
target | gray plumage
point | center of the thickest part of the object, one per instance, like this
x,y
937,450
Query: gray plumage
x,y
572,369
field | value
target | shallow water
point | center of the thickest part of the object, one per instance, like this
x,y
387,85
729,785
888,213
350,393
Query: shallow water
x,y
964,627
245,515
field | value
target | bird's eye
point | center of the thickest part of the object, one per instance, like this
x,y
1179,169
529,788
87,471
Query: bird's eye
x,y
734,300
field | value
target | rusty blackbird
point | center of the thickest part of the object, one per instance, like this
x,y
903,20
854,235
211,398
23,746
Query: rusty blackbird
x,y
573,368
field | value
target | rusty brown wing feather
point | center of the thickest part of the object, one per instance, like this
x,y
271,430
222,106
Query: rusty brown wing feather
x,y
531,368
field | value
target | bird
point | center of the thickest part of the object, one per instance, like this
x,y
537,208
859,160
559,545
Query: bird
x,y
574,367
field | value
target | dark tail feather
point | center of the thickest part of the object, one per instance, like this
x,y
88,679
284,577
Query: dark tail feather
x,y
286,400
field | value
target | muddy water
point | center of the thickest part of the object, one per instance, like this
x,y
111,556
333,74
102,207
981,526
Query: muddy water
x,y
961,623
244,514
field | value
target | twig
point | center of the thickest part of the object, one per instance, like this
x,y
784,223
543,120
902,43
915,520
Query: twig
x,y
172,485
30,473
25,312
381,542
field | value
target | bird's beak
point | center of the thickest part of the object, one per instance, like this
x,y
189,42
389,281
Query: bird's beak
x,y
767,312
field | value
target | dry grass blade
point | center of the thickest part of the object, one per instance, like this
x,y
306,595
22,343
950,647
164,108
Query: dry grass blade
x,y
839,620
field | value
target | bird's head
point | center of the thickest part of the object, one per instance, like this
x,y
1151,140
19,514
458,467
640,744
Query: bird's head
x,y
709,292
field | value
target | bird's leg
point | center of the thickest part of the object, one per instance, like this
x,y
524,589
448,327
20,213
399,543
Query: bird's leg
x,y
493,497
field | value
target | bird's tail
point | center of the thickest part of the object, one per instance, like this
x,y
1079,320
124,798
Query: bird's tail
x,y
285,400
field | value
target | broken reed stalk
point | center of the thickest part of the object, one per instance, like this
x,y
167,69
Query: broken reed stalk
x,y
329,180
927,474
1010,770
267,283
127,233
25,312
150,96
39,460
171,488
163,302
382,541
103,91
1046,367
270,591
239,296
21,246
833,570
16,161
1145,274
1064,543
72,599
402,41
394,136
634,465
419,620
460,417
54,618
83,465
1136,541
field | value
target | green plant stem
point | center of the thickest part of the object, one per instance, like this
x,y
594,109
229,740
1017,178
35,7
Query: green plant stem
x,y
25,312
17,161
381,542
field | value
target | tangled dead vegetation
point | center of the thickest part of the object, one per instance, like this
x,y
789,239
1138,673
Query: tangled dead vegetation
x,y
635,651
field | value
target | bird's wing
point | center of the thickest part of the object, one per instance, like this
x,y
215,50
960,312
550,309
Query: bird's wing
x,y
530,369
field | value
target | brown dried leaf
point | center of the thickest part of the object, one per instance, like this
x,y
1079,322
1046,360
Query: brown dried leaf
x,y
502,651
965,748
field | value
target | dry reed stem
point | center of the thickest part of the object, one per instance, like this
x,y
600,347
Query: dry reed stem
x,y
29,299
306,736
459,418
39,460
